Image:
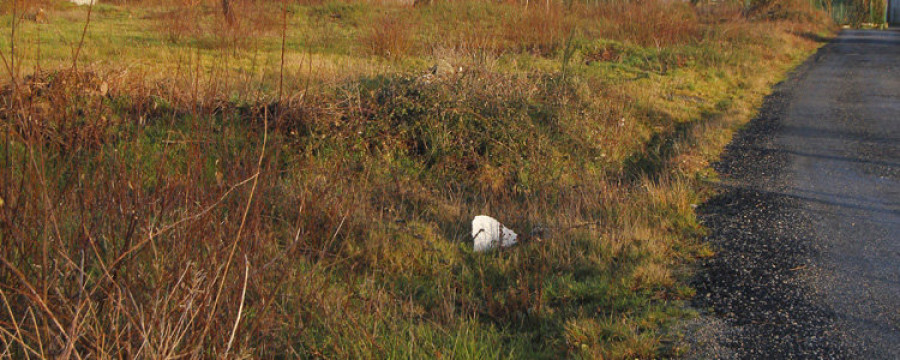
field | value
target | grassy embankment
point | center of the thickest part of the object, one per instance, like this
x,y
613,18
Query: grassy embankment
x,y
175,197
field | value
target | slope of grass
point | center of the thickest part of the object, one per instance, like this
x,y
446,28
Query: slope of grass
x,y
180,195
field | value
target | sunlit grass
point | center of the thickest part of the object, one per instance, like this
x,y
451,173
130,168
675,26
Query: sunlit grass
x,y
352,176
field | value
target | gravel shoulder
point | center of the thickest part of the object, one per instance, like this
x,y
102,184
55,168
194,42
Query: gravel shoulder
x,y
807,222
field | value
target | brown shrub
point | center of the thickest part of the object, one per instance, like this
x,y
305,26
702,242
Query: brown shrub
x,y
206,22
390,36
652,22
539,30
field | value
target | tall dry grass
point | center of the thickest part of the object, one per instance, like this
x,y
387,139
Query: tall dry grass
x,y
653,23
391,36
99,251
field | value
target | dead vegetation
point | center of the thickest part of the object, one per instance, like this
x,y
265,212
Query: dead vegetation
x,y
238,199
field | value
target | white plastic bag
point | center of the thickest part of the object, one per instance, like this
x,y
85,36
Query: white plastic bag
x,y
488,233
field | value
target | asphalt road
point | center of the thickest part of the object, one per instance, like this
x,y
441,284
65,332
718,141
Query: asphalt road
x,y
807,226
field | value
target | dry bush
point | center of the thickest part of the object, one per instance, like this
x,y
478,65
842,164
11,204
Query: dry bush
x,y
654,23
179,23
257,17
476,27
204,21
725,13
38,11
26,6
78,271
472,40
391,36
539,30
145,244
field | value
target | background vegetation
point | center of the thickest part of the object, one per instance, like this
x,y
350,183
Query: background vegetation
x,y
298,180
856,13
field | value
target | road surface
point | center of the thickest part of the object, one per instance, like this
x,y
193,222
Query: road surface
x,y
807,227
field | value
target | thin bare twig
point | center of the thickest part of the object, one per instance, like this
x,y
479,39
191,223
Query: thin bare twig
x,y
237,237
83,33
33,294
152,234
237,320
283,37
18,335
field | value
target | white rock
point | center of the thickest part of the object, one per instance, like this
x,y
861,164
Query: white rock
x,y
488,233
83,2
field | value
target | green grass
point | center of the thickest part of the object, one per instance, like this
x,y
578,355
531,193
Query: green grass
x,y
353,238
